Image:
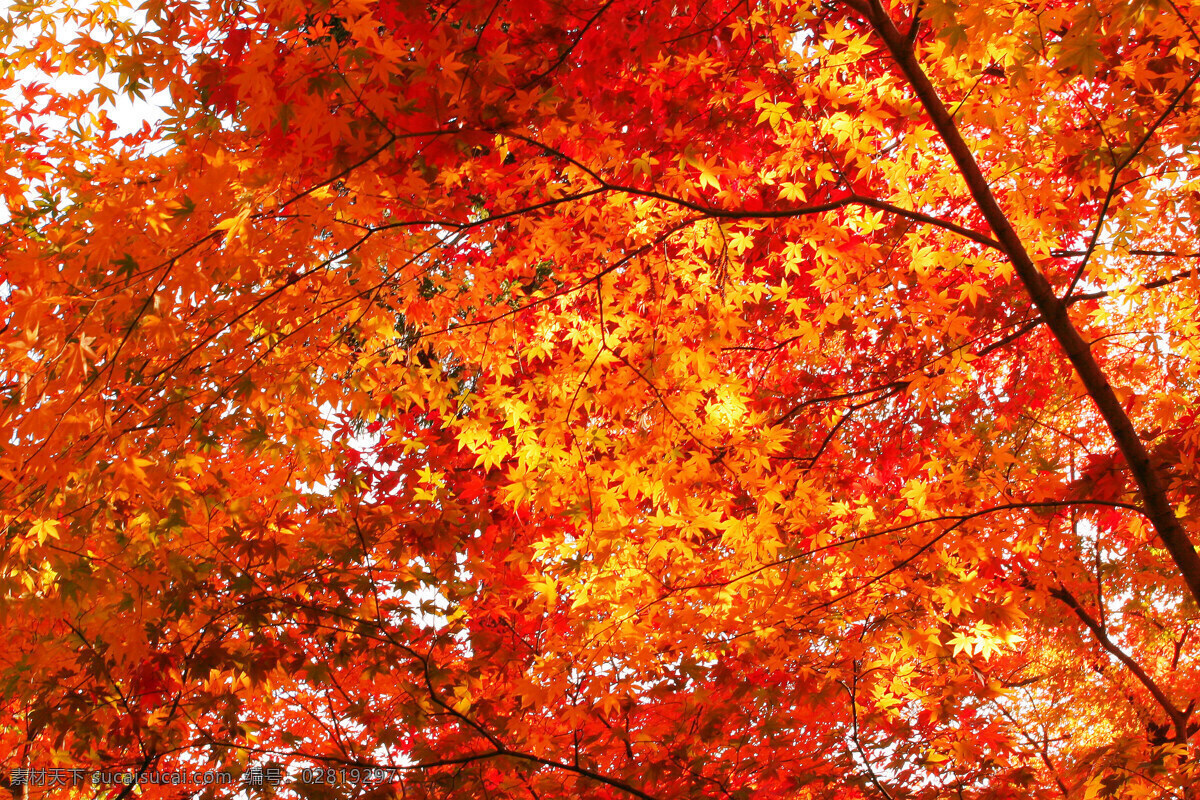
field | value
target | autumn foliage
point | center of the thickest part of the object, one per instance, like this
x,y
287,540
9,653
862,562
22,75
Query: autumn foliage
x,y
625,399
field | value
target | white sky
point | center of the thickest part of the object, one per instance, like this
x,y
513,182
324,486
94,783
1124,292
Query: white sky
x,y
128,113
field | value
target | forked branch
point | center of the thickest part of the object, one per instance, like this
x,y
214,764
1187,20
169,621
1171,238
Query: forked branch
x,y
1053,310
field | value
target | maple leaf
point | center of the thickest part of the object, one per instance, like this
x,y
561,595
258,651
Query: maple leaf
x,y
523,400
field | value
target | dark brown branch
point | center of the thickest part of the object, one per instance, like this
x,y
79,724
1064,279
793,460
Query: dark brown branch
x,y
1053,310
716,212
1155,284
958,519
1137,251
1118,168
852,690
1178,717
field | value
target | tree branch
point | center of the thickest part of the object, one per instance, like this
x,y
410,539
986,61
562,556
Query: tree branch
x,y
1178,718
1158,507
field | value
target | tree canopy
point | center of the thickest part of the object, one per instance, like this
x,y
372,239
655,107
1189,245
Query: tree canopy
x,y
529,399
